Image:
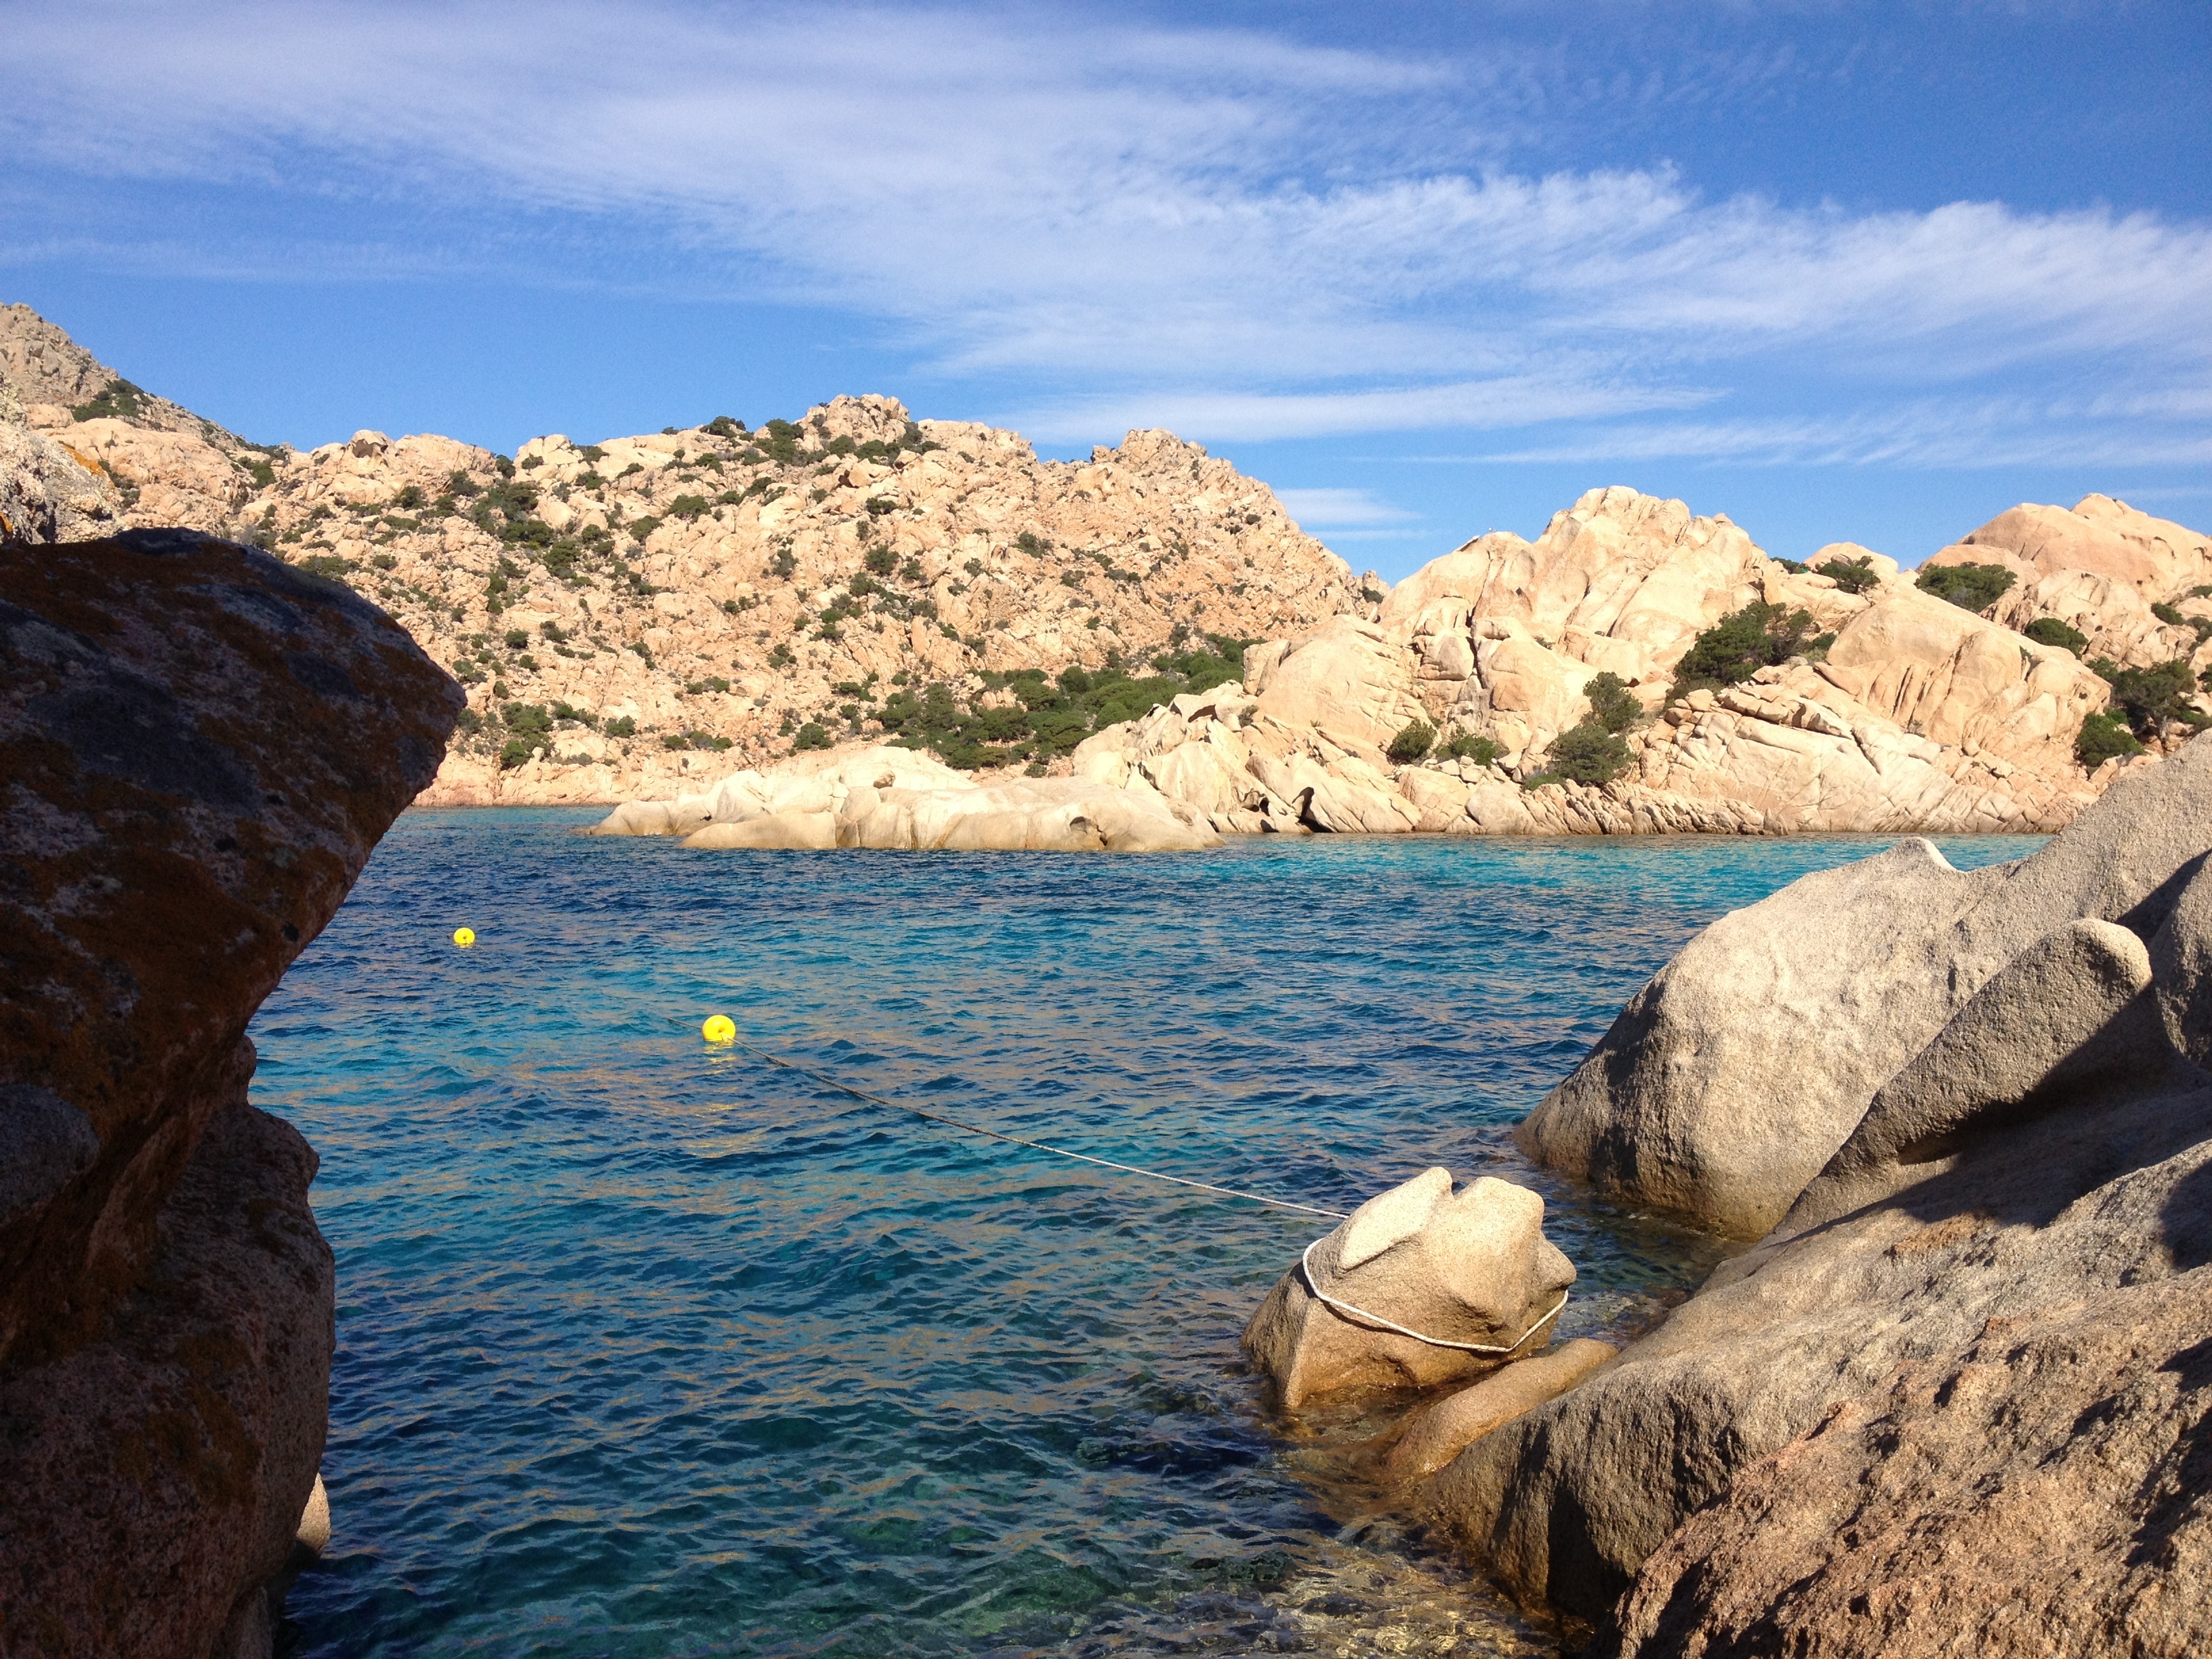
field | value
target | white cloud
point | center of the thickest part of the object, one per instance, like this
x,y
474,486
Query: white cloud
x,y
1340,509
1216,230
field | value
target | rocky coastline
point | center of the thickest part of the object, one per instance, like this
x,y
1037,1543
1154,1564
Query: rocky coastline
x,y
1954,1397
202,746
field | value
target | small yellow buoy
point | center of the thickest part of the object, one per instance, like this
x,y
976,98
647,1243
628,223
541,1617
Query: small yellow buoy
x,y
464,937
718,1028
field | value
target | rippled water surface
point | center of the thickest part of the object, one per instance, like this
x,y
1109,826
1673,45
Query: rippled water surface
x,y
645,1348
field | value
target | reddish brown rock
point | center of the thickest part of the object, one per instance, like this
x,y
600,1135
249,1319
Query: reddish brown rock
x,y
2042,1493
200,747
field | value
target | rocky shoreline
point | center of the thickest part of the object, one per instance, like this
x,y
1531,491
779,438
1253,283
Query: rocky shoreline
x,y
1955,1396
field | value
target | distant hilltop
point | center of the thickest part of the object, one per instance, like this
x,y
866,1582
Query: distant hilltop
x,y
638,617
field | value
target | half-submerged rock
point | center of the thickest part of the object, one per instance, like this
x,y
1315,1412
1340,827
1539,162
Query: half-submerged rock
x,y
1471,1269
1956,1400
201,746
896,798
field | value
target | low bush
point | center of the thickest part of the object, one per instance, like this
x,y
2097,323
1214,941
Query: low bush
x,y
1852,575
2049,630
1612,705
880,560
1413,743
625,727
810,735
2151,698
1969,586
688,507
1741,643
1465,746
1584,753
119,400
2102,737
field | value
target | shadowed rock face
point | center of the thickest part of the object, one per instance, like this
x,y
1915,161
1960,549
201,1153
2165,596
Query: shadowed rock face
x,y
200,747
1728,1080
1955,1401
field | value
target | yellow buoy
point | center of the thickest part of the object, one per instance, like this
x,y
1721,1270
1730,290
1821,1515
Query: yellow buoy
x,y
464,937
720,1029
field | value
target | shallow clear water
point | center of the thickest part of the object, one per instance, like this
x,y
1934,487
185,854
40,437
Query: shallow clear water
x,y
646,1348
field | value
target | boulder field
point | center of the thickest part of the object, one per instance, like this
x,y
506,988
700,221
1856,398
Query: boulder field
x,y
201,746
1956,1397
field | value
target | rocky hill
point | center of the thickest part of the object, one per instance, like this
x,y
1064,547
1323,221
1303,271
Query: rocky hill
x,y
1637,669
639,618
633,613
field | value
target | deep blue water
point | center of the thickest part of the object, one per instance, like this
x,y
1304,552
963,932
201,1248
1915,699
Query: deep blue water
x,y
645,1348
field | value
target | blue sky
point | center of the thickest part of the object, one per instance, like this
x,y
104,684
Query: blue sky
x,y
1863,272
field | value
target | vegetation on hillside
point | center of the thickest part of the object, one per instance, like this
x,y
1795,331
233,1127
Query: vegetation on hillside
x,y
1592,750
1037,718
1969,587
1744,642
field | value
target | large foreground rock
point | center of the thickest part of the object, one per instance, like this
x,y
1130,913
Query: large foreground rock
x,y
1954,1402
886,797
200,747
1833,983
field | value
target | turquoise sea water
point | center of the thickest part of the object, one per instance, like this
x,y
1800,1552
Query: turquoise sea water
x,y
645,1348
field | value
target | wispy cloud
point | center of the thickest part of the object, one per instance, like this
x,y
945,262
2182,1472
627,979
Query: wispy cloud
x,y
1218,230
1341,509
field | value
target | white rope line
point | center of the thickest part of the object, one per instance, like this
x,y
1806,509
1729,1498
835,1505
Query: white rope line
x,y
1305,1260
1313,1284
1034,1145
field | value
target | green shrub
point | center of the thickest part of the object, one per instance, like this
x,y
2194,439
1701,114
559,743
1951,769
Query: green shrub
x,y
640,528
562,711
626,726
1483,751
263,475
784,562
2104,736
688,507
780,657
1969,586
1741,643
119,401
2151,698
1586,753
1415,741
1612,705
723,427
512,754
810,735
1853,575
1032,543
880,560
2049,630
384,562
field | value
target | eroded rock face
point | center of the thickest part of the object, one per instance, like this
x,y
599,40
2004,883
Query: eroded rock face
x,y
1470,1267
898,799
200,747
1942,1407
